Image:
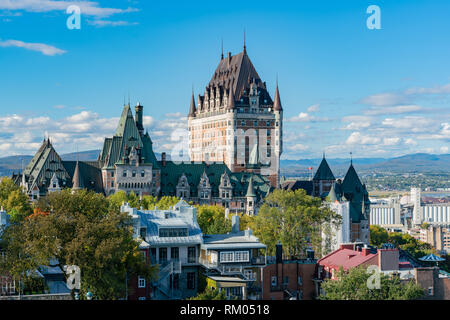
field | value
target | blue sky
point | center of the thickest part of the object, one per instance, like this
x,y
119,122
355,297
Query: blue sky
x,y
377,93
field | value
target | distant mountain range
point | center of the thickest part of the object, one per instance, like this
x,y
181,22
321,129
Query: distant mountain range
x,y
411,163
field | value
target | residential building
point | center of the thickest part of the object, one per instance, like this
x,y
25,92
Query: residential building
x,y
289,279
233,262
435,283
170,239
437,235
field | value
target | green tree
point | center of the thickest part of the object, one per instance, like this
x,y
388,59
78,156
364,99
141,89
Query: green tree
x,y
210,294
295,219
117,199
166,202
211,219
18,206
353,285
7,186
378,235
82,229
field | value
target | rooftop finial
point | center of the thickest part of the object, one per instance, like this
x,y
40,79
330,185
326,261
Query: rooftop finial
x,y
324,154
245,48
351,157
221,56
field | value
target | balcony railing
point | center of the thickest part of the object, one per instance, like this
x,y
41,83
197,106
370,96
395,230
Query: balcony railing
x,y
257,261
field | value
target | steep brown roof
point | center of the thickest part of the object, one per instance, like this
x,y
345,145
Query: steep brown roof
x,y
277,101
235,72
77,183
192,108
230,104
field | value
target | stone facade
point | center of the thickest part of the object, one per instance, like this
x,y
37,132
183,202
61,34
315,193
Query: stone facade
x,y
236,121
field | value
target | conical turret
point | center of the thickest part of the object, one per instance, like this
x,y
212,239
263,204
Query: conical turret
x,y
277,102
192,109
77,183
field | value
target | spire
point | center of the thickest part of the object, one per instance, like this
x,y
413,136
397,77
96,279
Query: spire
x,y
230,104
250,189
221,56
77,183
277,101
192,109
245,48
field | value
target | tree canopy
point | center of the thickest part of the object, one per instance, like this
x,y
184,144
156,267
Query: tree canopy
x,y
82,229
353,285
295,219
210,294
14,201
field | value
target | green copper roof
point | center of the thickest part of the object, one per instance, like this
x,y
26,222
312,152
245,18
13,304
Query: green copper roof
x,y
351,180
250,189
324,172
127,136
171,172
332,197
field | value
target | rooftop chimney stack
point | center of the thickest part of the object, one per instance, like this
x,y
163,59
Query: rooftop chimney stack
x,y
278,253
139,117
163,159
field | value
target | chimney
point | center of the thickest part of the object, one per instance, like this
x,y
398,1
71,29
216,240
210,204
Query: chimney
x,y
235,224
278,253
310,254
139,117
349,246
163,159
365,251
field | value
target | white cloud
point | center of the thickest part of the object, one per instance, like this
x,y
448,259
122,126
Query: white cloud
x,y
356,126
411,142
298,147
89,8
313,108
384,99
40,47
411,124
305,117
391,141
109,23
358,138
393,110
444,150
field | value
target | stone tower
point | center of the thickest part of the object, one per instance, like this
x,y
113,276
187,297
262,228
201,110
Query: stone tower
x,y
236,121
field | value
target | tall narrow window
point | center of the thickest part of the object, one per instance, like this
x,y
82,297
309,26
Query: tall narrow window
x,y
191,255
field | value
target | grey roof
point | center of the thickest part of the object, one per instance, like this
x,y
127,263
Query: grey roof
x,y
306,185
181,215
239,240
